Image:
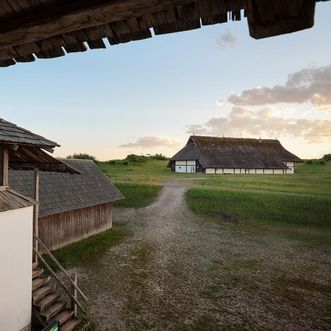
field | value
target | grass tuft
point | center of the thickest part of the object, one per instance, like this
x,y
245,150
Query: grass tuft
x,y
91,249
261,207
137,195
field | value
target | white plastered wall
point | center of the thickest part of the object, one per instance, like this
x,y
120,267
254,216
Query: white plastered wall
x,y
290,166
185,166
210,170
15,268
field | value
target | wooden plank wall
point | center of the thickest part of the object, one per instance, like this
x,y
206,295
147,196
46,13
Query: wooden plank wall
x,y
61,229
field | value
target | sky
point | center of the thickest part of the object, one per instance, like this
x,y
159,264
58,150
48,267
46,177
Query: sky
x,y
149,96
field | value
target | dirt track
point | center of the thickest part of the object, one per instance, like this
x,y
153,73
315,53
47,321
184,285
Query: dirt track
x,y
177,272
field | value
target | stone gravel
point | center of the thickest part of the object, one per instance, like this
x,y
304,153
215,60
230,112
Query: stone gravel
x,y
178,271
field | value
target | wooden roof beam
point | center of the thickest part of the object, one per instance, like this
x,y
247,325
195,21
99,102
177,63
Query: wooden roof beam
x,y
76,15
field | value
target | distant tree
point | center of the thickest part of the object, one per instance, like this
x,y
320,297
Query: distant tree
x,y
159,157
133,158
82,156
327,157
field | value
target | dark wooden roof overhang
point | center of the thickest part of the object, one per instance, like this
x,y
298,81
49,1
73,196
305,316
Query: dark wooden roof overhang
x,y
23,157
31,29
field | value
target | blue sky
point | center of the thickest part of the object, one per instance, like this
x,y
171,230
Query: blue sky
x,y
148,94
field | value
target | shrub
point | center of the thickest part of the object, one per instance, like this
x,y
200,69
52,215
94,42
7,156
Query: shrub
x,y
327,157
309,162
82,156
159,157
321,162
135,158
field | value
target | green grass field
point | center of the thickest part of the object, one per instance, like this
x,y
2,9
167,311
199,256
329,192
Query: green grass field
x,y
303,198
89,250
137,195
266,207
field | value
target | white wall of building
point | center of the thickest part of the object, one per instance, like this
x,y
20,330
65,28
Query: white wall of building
x,y
279,171
188,167
15,268
210,170
290,169
232,171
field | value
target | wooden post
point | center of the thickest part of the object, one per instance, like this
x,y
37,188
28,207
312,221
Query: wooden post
x,y
74,293
36,211
4,165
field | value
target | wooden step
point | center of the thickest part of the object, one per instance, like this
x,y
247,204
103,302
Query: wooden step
x,y
53,310
40,281
63,316
47,301
34,265
41,292
71,324
37,272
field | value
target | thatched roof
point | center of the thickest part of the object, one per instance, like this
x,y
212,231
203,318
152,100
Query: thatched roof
x,y
221,152
52,28
61,192
26,149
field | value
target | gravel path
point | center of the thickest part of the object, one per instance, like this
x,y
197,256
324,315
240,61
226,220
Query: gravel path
x,y
178,272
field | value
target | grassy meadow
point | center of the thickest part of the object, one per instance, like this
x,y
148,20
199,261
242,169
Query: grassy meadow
x,y
303,198
251,252
89,250
137,195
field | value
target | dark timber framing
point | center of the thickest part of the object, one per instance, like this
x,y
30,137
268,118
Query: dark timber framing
x,y
52,28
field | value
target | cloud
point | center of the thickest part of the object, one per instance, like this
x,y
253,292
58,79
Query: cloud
x,y
308,85
242,122
152,142
227,39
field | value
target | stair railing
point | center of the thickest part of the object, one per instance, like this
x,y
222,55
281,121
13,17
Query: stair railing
x,y
71,291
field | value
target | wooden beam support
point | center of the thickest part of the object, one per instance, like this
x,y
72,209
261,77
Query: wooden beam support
x,y
4,165
76,15
276,17
5,169
36,211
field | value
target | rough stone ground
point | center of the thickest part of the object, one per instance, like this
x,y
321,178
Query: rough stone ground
x,y
179,272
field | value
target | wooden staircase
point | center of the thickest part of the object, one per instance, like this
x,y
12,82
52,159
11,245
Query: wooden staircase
x,y
49,305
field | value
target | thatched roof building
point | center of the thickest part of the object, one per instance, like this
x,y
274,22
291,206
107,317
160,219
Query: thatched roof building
x,y
233,155
52,28
72,207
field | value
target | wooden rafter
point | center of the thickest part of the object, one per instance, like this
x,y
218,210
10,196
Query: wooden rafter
x,y
76,15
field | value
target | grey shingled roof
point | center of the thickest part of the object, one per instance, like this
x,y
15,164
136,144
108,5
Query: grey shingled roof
x,y
61,192
225,152
13,134
10,200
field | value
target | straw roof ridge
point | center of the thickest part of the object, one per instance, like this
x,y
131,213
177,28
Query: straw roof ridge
x,y
228,152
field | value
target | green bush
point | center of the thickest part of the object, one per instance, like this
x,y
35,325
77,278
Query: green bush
x,y
82,156
159,157
135,158
327,157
